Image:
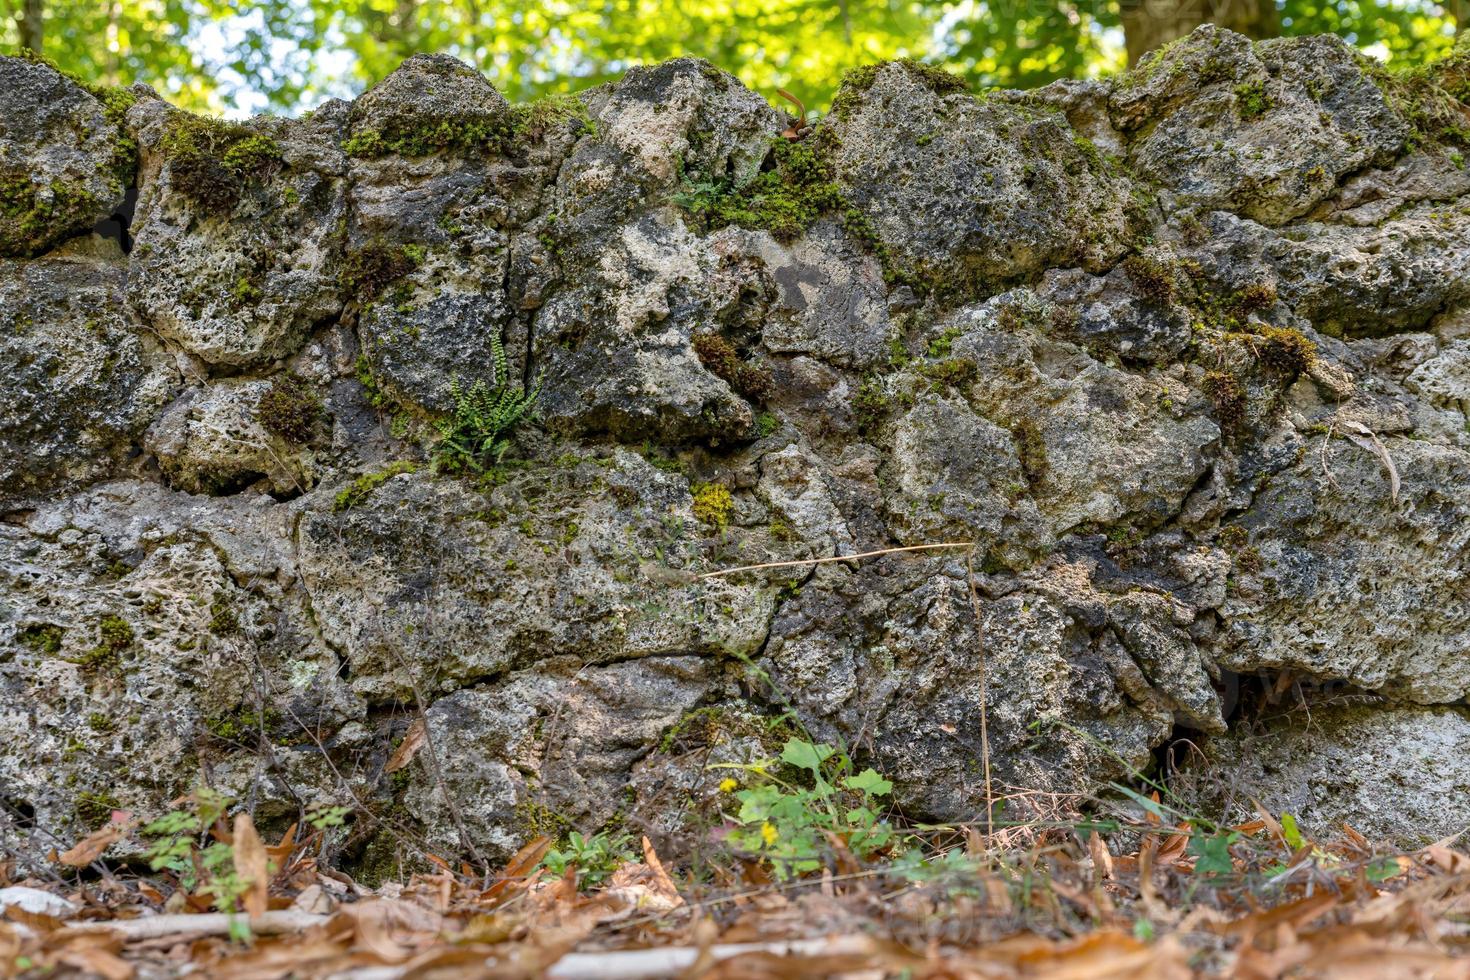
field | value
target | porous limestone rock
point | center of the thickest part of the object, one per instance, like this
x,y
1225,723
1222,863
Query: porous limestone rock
x,y
149,638
238,231
1264,130
65,159
431,100
80,379
426,583
211,441
1393,773
1347,583
1148,355
969,192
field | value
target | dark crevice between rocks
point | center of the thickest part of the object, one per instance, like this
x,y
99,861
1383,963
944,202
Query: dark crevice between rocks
x,y
20,811
117,226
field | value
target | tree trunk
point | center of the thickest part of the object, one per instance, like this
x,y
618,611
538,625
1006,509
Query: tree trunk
x,y
29,23
1148,24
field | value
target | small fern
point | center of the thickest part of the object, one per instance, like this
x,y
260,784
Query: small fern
x,y
478,429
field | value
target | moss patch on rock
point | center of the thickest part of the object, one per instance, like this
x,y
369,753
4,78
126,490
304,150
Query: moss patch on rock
x,y
856,81
213,162
372,268
289,409
749,381
360,489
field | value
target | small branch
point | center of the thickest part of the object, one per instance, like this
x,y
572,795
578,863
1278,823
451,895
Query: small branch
x,y
209,924
636,964
819,561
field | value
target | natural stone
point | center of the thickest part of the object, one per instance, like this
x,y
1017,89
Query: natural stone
x,y
81,380
65,158
1161,380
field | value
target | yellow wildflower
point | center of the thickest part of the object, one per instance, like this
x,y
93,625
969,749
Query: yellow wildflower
x,y
727,785
769,833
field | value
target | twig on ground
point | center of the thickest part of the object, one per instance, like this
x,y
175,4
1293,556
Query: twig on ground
x,y
209,924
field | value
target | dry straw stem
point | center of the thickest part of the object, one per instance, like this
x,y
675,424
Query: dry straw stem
x,y
821,561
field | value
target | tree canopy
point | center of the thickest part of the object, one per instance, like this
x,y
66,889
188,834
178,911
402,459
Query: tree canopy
x,y
240,56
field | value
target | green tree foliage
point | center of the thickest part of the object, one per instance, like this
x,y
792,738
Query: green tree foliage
x,y
248,55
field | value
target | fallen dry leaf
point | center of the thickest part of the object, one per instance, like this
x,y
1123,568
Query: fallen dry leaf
x,y
252,865
92,847
413,741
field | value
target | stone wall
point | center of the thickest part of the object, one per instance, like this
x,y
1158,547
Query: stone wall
x,y
1186,354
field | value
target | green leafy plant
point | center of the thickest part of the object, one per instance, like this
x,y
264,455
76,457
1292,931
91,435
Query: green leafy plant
x,y
595,857
322,816
478,430
188,844
792,825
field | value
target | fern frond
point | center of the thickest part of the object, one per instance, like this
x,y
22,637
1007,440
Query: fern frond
x,y
478,428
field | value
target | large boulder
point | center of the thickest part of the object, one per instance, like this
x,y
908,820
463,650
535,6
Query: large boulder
x,y
79,380
149,644
968,193
238,231
1263,130
65,157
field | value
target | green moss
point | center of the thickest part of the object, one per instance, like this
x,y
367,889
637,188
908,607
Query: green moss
x,y
1031,448
242,725
856,81
360,489
369,270
870,404
372,391
793,190
1154,279
289,409
1233,537
1250,299
714,725
95,809
213,162
33,215
467,134
531,121
1251,99
1228,395
537,820
101,723
749,381
943,345
953,372
114,635
427,137
765,424
1248,559
223,619
1284,350
1430,97
713,505
1090,153
44,638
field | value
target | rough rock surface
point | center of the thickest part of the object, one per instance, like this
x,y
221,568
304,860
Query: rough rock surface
x,y
1178,359
1391,773
64,160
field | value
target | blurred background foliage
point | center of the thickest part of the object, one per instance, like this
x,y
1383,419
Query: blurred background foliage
x,y
288,55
